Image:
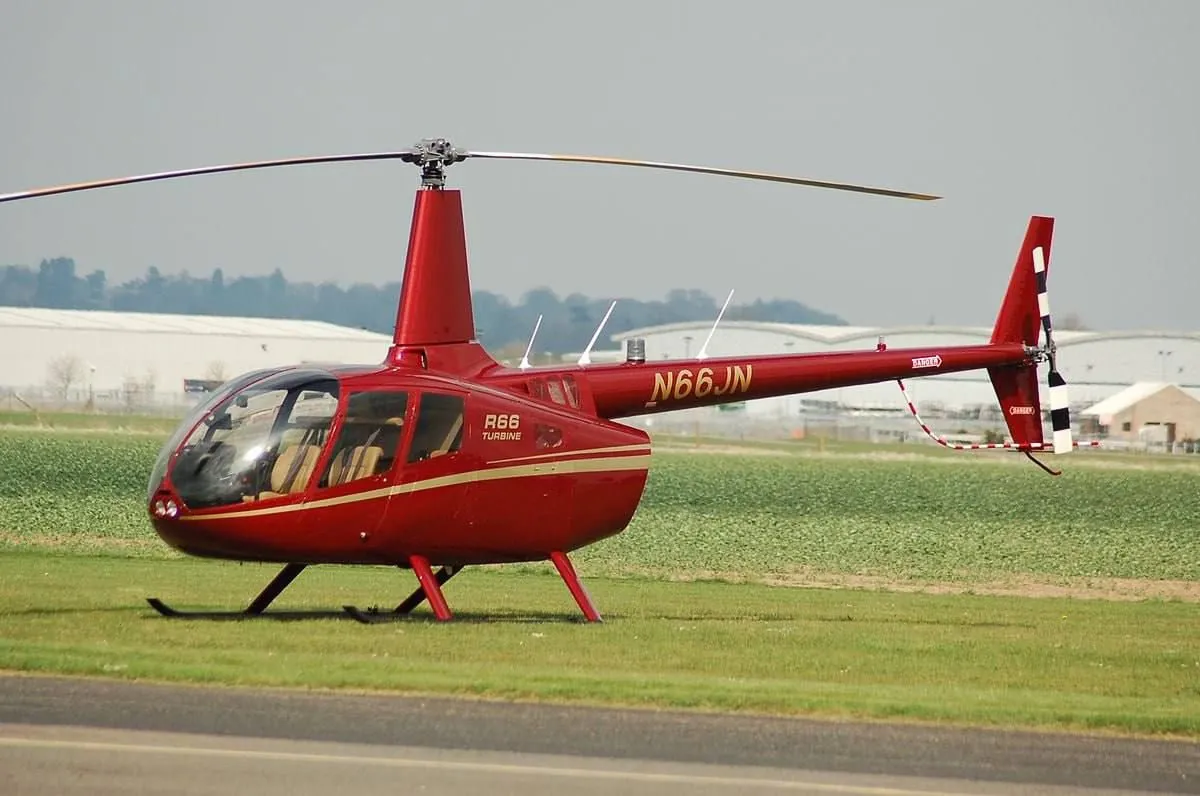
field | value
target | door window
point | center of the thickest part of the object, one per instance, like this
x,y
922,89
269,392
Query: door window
x,y
439,426
572,390
369,439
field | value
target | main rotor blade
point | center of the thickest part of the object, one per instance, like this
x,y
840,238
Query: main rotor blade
x,y
753,175
166,175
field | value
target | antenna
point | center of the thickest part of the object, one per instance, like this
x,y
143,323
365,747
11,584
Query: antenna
x,y
525,359
585,358
704,348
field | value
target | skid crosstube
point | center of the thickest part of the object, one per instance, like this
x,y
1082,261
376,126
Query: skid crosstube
x,y
410,603
431,590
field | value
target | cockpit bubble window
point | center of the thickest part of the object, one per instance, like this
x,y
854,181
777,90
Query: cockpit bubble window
x,y
439,426
369,439
261,442
205,407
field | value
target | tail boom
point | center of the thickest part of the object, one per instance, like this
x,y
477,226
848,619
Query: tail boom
x,y
627,389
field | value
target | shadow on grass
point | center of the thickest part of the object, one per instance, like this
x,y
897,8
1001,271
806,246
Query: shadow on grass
x,y
54,612
376,615
367,616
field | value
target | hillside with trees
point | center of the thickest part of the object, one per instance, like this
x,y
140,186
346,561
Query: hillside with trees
x,y
567,325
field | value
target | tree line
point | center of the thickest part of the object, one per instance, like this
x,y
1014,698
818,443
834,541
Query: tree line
x,y
502,326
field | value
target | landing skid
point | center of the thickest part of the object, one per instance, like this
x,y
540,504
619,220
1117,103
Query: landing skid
x,y
430,590
256,607
172,613
238,616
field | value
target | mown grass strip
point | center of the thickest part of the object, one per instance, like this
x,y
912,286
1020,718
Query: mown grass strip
x,y
1127,667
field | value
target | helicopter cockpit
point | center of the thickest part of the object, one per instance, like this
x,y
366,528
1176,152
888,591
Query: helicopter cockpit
x,y
262,437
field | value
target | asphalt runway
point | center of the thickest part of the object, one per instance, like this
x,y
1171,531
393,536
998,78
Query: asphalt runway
x,y
76,736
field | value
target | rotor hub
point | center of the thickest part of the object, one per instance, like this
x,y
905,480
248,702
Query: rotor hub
x,y
1043,353
433,155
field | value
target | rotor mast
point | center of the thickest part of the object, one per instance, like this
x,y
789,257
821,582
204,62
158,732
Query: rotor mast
x,y
435,294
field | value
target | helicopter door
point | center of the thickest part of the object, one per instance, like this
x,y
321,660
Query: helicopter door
x,y
353,484
435,479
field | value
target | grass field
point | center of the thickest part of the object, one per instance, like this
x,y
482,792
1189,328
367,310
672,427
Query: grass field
x,y
738,516
1126,667
77,558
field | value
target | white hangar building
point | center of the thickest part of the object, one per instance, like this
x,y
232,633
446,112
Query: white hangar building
x,y
1095,365
68,355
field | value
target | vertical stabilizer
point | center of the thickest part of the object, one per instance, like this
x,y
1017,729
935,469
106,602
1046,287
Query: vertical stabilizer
x,y
1018,321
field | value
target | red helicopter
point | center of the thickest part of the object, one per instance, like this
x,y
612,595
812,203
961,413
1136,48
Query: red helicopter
x,y
442,457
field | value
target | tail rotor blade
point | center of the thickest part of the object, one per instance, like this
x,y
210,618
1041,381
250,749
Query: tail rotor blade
x,y
1043,297
1060,413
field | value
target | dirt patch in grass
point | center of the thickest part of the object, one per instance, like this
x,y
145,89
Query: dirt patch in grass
x,y
1114,589
1124,589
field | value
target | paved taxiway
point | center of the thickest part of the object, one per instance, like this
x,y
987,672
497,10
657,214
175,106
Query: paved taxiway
x,y
71,736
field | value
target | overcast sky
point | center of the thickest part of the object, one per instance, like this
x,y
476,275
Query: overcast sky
x,y
1084,110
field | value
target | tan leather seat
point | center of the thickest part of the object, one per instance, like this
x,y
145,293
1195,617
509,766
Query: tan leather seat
x,y
293,467
444,448
354,463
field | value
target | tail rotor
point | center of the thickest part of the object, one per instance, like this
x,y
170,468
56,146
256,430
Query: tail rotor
x,y
1017,385
1060,413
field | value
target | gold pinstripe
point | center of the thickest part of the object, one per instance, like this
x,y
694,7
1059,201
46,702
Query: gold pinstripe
x,y
596,464
641,448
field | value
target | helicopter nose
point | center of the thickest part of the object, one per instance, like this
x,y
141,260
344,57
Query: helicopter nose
x,y
165,505
168,508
